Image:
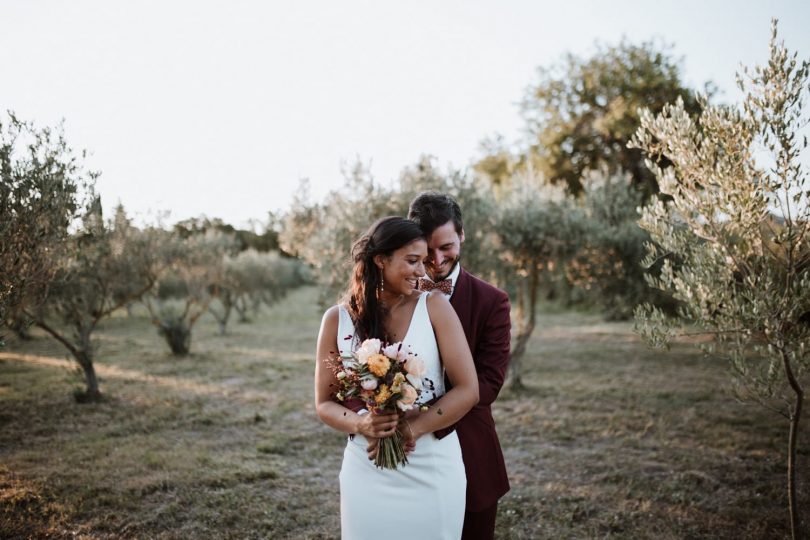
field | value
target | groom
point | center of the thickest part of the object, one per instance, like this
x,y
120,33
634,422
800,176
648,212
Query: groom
x,y
484,314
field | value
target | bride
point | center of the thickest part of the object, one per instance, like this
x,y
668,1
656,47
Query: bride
x,y
382,301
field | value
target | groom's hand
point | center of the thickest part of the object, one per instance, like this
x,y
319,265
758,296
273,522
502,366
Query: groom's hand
x,y
407,433
410,446
371,449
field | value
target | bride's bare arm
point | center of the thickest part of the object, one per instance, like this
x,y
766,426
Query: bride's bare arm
x,y
329,411
458,363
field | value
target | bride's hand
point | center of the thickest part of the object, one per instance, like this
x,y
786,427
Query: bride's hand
x,y
377,426
374,427
404,428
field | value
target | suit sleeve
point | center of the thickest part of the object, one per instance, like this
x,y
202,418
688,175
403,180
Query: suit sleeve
x,y
492,353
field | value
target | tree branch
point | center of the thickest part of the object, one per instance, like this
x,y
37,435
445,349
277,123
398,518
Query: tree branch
x,y
56,335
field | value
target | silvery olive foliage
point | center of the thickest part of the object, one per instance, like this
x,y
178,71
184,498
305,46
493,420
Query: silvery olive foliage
x,y
41,188
736,217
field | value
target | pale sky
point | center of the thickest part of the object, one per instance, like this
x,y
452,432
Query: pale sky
x,y
219,108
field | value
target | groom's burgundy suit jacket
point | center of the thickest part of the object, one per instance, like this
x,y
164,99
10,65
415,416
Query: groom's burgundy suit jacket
x,y
484,313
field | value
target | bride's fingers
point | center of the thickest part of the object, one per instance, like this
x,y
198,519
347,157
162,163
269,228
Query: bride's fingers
x,y
371,425
385,425
386,431
380,425
384,422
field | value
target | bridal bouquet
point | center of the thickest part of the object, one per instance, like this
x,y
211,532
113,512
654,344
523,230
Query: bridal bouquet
x,y
385,378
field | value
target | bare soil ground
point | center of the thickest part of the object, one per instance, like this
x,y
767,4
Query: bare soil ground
x,y
609,440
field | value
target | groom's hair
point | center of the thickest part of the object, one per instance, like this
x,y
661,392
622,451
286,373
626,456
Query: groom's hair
x,y
432,209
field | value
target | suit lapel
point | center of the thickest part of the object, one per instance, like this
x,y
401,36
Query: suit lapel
x,y
458,300
462,302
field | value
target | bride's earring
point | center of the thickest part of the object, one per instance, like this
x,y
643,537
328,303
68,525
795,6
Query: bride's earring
x,y
381,288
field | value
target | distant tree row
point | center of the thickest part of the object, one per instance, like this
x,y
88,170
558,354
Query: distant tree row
x,y
65,268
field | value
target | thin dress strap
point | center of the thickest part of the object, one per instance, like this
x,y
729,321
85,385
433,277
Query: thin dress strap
x,y
346,339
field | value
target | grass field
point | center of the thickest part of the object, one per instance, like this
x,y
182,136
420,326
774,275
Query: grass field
x,y
610,440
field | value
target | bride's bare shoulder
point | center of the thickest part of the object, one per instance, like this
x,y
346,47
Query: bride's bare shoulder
x,y
438,304
331,316
436,297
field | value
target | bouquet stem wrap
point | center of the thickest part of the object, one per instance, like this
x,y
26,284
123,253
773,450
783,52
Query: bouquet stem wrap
x,y
391,452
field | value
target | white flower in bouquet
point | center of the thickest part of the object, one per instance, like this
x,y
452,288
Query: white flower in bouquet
x,y
414,366
367,348
397,351
369,383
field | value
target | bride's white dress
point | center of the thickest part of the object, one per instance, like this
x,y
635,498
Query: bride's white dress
x,y
427,494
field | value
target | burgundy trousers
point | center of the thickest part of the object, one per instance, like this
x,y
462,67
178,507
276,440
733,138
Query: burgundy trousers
x,y
480,525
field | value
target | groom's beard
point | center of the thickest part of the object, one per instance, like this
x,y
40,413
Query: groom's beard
x,y
446,270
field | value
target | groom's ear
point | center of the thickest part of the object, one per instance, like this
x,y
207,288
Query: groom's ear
x,y
461,236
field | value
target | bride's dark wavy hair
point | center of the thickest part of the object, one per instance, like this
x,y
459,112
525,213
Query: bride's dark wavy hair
x,y
383,238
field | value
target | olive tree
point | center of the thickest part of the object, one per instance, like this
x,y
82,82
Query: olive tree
x,y
101,268
538,230
222,302
193,269
322,234
737,217
41,183
582,111
278,276
579,114
608,269
252,278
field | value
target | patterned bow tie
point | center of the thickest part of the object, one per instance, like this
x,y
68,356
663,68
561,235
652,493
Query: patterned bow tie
x,y
445,285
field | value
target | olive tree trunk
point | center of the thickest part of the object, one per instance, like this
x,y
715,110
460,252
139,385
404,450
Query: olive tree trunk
x,y
795,417
82,352
528,308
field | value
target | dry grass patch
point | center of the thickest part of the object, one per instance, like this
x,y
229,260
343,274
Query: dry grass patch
x,y
610,439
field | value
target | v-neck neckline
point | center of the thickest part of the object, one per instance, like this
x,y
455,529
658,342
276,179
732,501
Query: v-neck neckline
x,y
413,316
